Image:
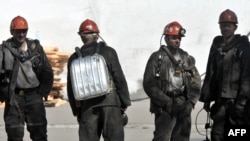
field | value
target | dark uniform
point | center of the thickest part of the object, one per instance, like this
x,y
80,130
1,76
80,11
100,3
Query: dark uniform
x,y
171,105
24,96
227,80
101,115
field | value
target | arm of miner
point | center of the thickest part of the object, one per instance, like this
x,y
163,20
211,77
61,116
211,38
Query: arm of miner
x,y
193,90
244,84
209,89
150,83
206,95
74,107
46,76
194,84
119,79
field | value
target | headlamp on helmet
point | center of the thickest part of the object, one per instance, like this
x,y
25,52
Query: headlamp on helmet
x,y
174,28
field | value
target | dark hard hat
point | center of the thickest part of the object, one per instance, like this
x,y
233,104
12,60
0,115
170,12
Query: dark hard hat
x,y
228,16
88,26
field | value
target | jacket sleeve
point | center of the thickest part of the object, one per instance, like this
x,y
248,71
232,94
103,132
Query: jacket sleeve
x,y
150,83
70,94
244,84
46,76
195,83
119,79
208,94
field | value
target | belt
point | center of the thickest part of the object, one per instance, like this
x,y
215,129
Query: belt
x,y
175,94
25,91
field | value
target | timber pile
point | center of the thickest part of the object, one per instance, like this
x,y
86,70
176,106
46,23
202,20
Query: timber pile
x,y
58,61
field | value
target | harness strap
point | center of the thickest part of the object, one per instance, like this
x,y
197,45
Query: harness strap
x,y
17,54
78,50
170,55
177,63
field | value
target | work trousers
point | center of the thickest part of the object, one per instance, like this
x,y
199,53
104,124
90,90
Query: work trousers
x,y
220,113
105,121
27,108
172,127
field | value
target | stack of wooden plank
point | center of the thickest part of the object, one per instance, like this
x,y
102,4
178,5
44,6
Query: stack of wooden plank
x,y
58,61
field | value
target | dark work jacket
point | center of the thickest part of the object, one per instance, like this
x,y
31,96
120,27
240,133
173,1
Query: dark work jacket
x,y
155,87
228,70
117,97
39,60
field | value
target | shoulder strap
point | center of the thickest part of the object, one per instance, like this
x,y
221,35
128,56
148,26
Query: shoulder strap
x,y
177,63
98,48
99,45
14,75
159,62
13,80
78,51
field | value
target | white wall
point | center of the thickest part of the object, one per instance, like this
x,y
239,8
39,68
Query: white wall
x,y
132,27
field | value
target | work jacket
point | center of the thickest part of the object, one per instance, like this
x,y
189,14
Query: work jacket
x,y
228,70
156,86
119,95
39,63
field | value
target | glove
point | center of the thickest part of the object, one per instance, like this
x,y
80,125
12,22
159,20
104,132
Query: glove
x,y
78,117
123,108
240,106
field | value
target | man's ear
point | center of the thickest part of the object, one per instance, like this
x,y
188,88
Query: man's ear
x,y
165,37
96,36
236,26
11,32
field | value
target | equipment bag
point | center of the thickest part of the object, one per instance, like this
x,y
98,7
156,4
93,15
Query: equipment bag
x,y
89,76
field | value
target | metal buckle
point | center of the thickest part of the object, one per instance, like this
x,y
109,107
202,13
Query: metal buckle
x,y
21,93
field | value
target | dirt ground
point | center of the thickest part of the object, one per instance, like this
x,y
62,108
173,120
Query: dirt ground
x,y
62,126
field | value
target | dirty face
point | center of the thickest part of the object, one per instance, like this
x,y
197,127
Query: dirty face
x,y
88,38
19,35
227,29
173,41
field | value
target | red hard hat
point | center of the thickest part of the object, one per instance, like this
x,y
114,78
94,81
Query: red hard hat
x,y
18,23
174,28
228,16
88,26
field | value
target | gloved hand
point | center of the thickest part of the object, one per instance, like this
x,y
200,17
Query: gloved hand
x,y
206,106
44,95
240,106
186,109
123,108
78,117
